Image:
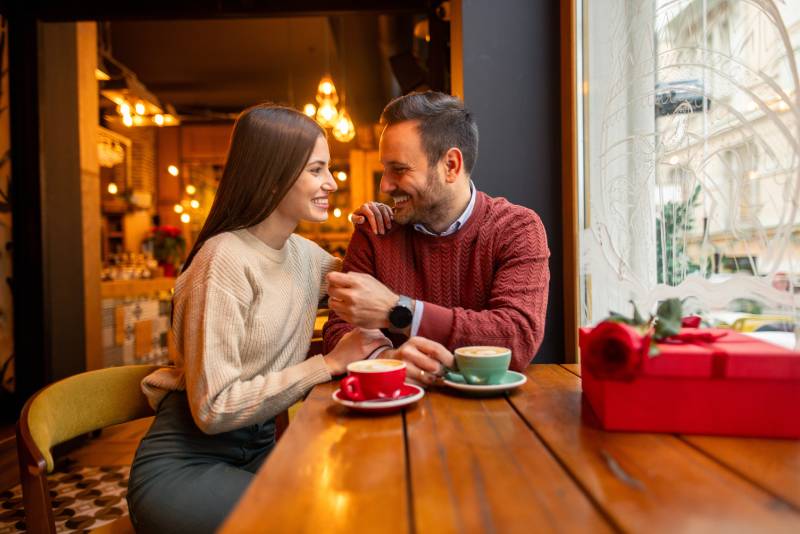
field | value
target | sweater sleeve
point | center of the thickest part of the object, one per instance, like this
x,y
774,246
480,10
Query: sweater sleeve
x,y
359,258
212,330
515,314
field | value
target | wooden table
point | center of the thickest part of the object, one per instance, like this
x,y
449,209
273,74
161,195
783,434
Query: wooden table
x,y
519,463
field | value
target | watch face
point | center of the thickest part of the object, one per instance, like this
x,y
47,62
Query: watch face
x,y
400,317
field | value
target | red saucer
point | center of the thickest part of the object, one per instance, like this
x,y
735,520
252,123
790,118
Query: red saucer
x,y
409,394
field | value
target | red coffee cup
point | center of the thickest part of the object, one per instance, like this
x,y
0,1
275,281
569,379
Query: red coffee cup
x,y
373,379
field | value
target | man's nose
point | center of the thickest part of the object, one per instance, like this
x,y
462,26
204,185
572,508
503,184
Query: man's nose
x,y
387,186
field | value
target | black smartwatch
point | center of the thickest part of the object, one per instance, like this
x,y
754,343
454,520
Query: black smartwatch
x,y
401,315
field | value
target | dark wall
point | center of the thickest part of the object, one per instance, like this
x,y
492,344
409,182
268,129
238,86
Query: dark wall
x,y
511,84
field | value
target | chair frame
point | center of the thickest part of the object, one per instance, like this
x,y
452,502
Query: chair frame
x,y
39,516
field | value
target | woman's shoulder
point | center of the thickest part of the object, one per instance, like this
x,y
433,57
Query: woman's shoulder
x,y
223,259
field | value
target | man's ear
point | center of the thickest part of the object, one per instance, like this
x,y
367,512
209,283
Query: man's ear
x,y
454,164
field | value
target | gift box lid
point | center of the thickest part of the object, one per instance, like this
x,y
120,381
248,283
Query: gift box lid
x,y
718,353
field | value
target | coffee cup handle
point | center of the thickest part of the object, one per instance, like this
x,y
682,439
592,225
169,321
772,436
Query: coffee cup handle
x,y
453,376
351,389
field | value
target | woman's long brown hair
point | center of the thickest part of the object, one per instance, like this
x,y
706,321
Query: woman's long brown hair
x,y
270,146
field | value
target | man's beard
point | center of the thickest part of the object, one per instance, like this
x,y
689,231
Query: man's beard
x,y
429,207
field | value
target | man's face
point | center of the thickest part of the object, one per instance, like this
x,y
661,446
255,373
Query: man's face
x,y
418,190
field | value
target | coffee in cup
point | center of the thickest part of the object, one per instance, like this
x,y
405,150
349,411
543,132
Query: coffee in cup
x,y
483,365
373,379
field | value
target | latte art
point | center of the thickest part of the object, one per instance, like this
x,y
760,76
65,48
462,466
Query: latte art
x,y
482,351
375,366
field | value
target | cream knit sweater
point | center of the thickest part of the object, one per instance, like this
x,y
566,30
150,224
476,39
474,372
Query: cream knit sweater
x,y
243,320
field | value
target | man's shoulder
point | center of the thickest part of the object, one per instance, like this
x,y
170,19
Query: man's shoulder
x,y
501,210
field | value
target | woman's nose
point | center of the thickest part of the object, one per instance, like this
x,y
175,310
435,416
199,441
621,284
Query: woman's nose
x,y
329,184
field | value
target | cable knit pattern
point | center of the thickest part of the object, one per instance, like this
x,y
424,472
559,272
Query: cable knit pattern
x,y
243,319
486,284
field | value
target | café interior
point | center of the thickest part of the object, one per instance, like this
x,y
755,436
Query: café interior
x,y
657,141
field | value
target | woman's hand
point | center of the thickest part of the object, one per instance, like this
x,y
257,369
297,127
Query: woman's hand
x,y
379,216
354,345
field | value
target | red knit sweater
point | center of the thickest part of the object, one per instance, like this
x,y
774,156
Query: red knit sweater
x,y
486,284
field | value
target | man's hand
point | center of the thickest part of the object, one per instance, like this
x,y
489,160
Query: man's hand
x,y
379,216
426,360
360,300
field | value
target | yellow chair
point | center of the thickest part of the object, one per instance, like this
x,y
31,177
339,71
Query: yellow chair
x,y
64,410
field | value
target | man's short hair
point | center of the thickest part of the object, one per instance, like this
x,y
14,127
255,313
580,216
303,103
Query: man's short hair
x,y
444,123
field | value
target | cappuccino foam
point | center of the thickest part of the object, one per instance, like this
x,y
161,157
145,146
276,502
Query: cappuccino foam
x,y
375,366
482,351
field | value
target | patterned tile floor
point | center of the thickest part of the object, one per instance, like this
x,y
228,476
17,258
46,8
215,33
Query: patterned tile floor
x,y
83,498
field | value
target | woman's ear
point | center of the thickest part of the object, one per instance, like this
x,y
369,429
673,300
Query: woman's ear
x,y
454,164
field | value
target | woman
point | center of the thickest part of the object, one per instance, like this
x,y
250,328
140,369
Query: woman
x,y
244,311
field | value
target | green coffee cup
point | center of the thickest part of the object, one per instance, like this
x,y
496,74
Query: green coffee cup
x,y
481,365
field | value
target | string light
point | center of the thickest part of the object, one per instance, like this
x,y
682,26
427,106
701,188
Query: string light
x,y
190,189
112,188
194,203
185,218
127,120
173,170
341,176
139,107
337,212
178,208
159,119
310,109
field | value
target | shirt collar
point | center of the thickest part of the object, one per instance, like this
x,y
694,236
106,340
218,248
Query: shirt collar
x,y
456,226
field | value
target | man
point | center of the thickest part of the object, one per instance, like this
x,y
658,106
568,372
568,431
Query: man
x,y
458,267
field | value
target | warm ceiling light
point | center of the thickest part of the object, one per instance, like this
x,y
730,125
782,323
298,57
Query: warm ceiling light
x,y
194,204
190,189
310,109
173,170
185,218
124,109
341,176
326,114
139,107
343,129
159,119
138,120
178,208
169,119
112,188
127,120
327,91
337,212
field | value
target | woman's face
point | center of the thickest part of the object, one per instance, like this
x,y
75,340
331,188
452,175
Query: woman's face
x,y
307,200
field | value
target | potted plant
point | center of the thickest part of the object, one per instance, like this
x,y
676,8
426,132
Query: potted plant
x,y
168,246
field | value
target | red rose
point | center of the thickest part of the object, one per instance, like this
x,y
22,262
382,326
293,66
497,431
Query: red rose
x,y
691,321
614,351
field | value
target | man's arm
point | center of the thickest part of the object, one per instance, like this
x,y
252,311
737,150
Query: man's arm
x,y
516,313
359,258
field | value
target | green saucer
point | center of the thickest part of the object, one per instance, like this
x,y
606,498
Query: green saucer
x,y
511,380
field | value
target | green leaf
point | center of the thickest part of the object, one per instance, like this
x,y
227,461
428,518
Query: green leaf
x,y
654,350
670,310
619,318
637,317
666,328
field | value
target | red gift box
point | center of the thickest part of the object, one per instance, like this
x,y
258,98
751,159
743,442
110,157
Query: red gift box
x,y
713,382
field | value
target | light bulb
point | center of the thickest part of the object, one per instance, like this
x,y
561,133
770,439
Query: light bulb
x,y
310,109
327,91
112,188
326,114
178,208
185,218
159,119
139,107
337,212
343,129
190,189
341,176
138,120
194,204
173,170
124,109
127,120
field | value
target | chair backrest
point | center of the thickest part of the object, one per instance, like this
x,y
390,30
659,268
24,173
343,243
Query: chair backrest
x,y
82,403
